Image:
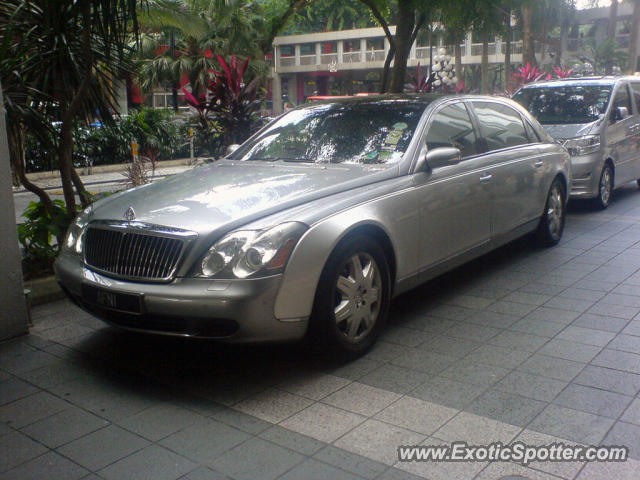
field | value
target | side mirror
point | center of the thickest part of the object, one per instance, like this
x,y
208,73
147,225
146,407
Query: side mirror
x,y
619,113
442,157
231,148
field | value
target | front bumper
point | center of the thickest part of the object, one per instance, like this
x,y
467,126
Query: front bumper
x,y
238,311
585,175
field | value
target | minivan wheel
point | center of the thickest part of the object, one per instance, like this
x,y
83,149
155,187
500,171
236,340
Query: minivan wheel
x,y
605,187
352,299
551,224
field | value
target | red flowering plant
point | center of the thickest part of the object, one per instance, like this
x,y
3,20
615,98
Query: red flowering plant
x,y
527,74
560,73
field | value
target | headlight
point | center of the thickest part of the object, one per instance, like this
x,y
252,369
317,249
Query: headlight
x,y
583,145
247,253
75,234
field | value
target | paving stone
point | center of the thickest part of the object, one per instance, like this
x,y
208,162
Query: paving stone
x,y
30,409
506,407
102,447
632,414
497,470
241,421
54,373
600,322
16,448
611,470
528,298
587,336
492,319
548,314
468,301
383,351
541,328
428,324
619,311
204,473
426,361
397,474
150,463
314,386
351,462
443,470
476,430
378,441
581,294
626,434
571,424
394,379
632,328
625,361
356,369
323,422
406,337
561,469
447,392
498,356
573,304
518,341
292,440
417,415
360,398
450,312
256,458
626,343
457,347
551,367
568,350
49,466
13,389
511,308
203,442
531,385
475,373
64,427
313,469
609,379
159,421
593,400
273,405
470,331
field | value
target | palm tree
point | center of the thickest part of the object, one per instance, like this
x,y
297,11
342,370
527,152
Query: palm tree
x,y
69,55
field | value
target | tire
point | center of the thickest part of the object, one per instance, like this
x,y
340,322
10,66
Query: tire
x,y
552,222
605,188
352,299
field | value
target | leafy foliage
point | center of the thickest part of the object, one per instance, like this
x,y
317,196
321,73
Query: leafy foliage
x,y
37,236
527,74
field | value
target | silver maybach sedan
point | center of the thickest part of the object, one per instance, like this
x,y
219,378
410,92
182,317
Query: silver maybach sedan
x,y
311,226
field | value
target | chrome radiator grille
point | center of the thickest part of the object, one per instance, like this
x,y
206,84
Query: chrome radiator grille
x,y
135,255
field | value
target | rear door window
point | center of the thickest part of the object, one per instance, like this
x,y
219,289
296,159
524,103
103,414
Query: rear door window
x,y
500,125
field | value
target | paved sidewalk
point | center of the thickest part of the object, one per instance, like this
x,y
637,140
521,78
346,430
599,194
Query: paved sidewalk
x,y
526,344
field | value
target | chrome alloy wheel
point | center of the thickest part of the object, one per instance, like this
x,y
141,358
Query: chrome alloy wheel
x,y
605,186
555,212
358,294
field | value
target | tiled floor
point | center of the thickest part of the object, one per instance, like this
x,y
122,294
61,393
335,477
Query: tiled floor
x,y
523,344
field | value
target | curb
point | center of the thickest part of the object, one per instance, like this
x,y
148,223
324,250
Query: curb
x,y
43,290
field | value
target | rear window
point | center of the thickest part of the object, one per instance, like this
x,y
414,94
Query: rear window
x,y
565,104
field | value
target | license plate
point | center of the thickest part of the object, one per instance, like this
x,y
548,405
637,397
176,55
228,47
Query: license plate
x,y
123,302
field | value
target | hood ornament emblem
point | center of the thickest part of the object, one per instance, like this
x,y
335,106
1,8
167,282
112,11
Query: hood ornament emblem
x,y
129,214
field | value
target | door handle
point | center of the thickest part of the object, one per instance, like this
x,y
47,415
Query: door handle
x,y
485,178
538,164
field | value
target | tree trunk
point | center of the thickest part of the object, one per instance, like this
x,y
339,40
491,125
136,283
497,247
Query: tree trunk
x,y
507,49
528,53
611,31
384,84
65,159
484,73
457,53
404,31
564,32
633,41
15,134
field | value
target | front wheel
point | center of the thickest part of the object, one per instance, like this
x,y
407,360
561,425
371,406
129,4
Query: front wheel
x,y
605,187
353,297
551,224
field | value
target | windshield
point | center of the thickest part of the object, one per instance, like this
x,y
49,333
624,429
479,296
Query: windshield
x,y
375,132
565,104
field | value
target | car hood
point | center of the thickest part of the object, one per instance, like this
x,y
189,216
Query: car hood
x,y
231,194
562,132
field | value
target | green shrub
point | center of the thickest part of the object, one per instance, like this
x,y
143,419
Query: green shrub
x,y
41,236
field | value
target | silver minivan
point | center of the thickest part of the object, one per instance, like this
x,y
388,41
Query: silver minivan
x,y
598,120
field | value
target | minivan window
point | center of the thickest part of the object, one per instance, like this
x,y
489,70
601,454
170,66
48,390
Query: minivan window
x,y
565,104
500,125
622,99
635,90
451,127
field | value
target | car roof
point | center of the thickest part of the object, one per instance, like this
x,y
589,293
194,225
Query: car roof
x,y
595,80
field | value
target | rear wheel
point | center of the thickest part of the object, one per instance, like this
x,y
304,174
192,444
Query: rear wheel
x,y
605,187
551,224
352,299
